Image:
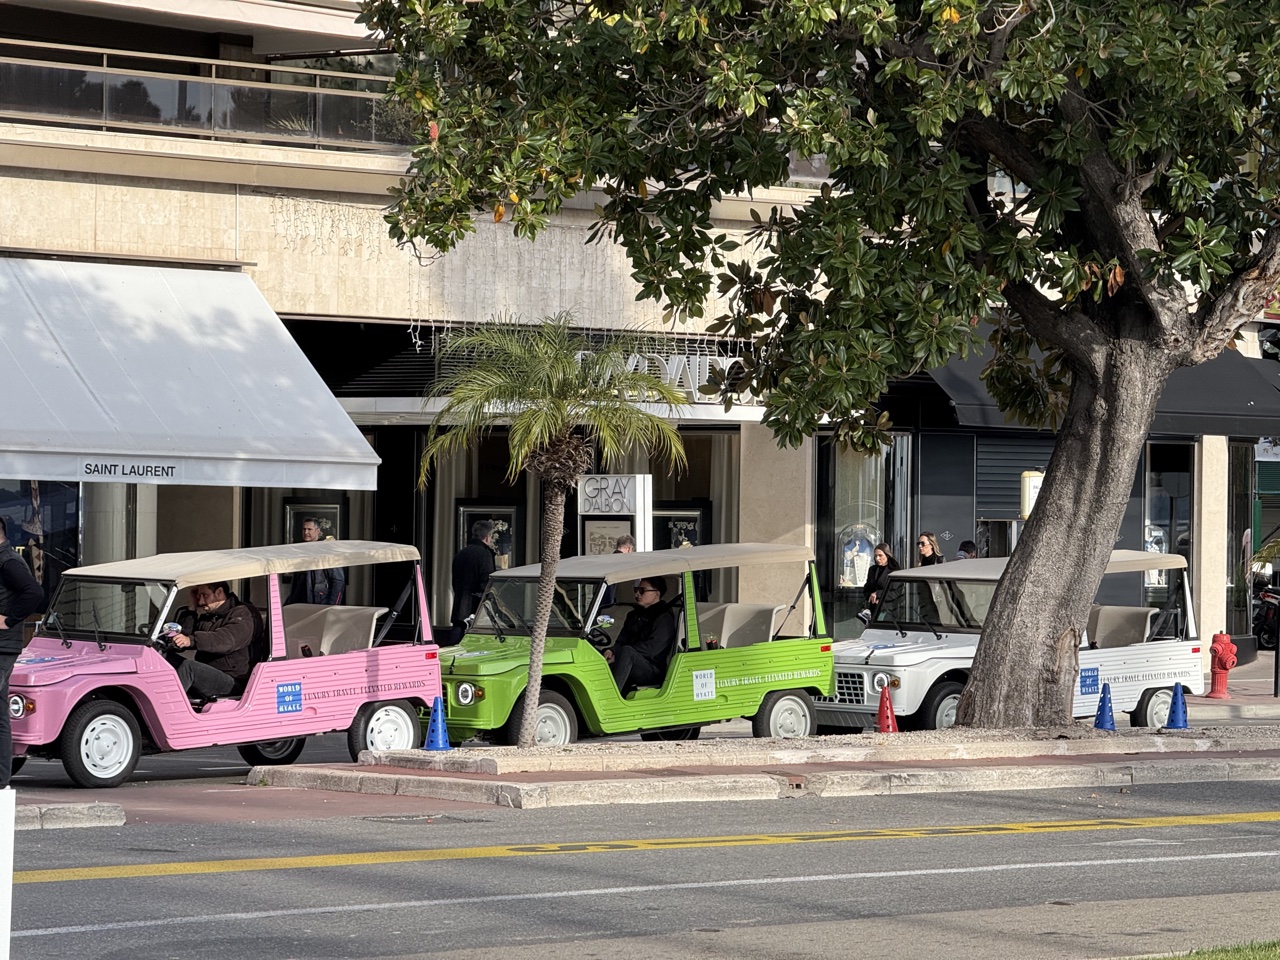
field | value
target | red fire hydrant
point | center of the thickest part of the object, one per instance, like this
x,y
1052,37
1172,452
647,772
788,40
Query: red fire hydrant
x,y
1222,658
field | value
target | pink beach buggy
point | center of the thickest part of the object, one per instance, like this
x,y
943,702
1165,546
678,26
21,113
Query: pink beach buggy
x,y
94,688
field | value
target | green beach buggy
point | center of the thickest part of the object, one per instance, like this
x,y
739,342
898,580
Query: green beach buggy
x,y
765,659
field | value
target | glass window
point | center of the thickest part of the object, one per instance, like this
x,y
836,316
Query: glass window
x,y
105,609
509,605
1167,521
852,513
43,519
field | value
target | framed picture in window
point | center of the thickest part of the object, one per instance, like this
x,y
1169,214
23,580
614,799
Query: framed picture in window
x,y
682,524
508,545
600,535
329,515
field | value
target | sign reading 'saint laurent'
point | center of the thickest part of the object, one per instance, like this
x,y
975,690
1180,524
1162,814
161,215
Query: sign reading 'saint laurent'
x,y
127,471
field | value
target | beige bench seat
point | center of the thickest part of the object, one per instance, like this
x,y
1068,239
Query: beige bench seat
x,y
328,629
1115,626
738,624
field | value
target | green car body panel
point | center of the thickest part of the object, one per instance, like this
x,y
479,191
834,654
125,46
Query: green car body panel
x,y
701,686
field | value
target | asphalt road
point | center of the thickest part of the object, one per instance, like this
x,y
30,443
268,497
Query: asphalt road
x,y
1053,874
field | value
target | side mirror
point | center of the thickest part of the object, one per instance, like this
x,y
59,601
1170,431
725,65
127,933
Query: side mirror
x,y
604,621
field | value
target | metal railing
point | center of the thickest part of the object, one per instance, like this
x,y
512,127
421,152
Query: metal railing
x,y
191,96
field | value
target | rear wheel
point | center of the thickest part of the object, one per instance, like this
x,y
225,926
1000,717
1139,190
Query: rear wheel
x,y
100,744
392,725
784,713
678,733
938,712
557,721
272,753
1152,709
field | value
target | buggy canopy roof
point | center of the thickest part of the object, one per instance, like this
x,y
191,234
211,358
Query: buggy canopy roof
x,y
211,566
619,567
992,568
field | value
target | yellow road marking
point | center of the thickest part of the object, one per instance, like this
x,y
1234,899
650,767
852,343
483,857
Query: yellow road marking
x,y
191,867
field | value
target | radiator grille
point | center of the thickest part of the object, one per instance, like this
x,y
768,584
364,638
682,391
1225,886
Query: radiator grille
x,y
851,688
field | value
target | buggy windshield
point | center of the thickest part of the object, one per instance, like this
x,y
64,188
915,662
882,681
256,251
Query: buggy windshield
x,y
508,607
953,605
114,610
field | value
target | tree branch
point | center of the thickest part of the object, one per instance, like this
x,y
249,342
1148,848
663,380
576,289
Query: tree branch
x,y
1242,300
995,139
1051,322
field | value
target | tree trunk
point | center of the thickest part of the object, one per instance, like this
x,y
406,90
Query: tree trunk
x,y
1042,602
552,534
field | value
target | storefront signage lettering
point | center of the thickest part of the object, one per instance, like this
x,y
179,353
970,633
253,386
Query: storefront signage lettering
x,y
686,372
129,471
606,494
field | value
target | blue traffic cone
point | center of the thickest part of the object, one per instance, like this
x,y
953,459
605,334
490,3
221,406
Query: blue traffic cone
x,y
1105,719
437,733
1177,710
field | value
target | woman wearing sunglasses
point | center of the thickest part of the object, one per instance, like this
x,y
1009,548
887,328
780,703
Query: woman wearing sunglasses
x,y
928,552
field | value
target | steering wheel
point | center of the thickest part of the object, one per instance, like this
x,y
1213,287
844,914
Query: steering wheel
x,y
599,639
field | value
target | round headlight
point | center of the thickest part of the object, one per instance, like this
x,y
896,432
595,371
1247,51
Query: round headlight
x,y
879,681
17,707
466,694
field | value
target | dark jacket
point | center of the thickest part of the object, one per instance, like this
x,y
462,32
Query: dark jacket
x,y
471,569
930,560
878,581
651,632
20,596
222,637
317,586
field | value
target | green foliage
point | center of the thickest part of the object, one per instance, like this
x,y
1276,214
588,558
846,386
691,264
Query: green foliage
x,y
548,384
1088,157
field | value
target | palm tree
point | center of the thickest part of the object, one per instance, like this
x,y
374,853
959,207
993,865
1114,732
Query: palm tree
x,y
560,396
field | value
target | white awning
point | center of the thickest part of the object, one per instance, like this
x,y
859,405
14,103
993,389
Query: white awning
x,y
130,374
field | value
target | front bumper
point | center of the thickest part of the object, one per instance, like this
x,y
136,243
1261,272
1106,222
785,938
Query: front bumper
x,y
850,705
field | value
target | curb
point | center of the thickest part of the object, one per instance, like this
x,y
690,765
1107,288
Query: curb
x,y
61,816
767,786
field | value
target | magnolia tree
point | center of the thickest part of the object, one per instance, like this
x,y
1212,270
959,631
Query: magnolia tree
x,y
1087,183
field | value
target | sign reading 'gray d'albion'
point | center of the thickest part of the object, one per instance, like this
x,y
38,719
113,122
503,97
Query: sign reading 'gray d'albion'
x,y
128,470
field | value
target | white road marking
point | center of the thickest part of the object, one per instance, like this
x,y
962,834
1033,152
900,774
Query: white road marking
x,y
646,888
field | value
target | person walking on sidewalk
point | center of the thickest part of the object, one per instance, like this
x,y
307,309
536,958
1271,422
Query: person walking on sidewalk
x,y
472,567
20,596
928,550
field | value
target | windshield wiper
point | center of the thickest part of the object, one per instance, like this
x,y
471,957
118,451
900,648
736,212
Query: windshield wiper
x,y
490,604
936,632
97,626
54,619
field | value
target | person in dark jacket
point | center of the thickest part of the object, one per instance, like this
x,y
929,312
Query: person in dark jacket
x,y
316,586
639,656
878,579
472,567
20,596
624,544
221,631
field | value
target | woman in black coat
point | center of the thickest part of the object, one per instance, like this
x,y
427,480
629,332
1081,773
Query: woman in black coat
x,y
878,579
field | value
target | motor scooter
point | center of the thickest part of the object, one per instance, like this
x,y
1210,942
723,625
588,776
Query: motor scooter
x,y
1266,617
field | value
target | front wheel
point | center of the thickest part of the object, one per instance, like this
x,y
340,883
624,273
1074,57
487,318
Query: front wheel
x,y
100,744
556,724
938,712
678,733
784,713
384,726
272,753
1152,709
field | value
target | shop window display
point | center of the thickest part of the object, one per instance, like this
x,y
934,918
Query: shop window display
x,y
43,518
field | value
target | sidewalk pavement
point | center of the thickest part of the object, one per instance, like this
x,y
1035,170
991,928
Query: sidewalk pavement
x,y
742,769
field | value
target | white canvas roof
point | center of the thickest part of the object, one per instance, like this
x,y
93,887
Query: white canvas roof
x,y
620,567
210,566
1122,561
136,374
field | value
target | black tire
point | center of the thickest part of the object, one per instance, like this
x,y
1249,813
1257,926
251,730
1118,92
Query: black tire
x,y
272,753
16,765
100,744
939,705
1153,708
677,733
560,719
784,713
389,725
1266,638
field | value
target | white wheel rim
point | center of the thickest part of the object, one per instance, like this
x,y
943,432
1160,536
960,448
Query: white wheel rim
x,y
275,749
790,718
1158,708
946,716
552,728
390,728
106,748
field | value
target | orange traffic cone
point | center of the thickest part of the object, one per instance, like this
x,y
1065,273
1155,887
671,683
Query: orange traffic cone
x,y
886,722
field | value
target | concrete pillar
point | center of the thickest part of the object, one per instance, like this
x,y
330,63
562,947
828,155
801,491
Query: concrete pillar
x,y
775,505
106,522
197,518
1209,580
144,518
